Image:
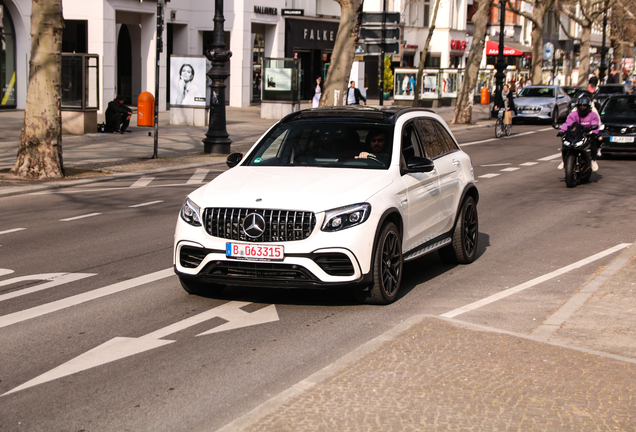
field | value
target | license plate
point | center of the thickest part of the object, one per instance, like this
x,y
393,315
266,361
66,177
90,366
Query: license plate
x,y
255,251
622,139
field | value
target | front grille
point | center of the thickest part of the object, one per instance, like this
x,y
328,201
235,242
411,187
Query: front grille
x,y
619,129
242,271
334,264
280,225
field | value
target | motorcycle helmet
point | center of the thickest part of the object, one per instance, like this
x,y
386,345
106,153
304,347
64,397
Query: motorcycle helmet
x,y
584,106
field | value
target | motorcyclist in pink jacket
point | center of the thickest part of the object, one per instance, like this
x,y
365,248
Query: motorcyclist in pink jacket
x,y
584,116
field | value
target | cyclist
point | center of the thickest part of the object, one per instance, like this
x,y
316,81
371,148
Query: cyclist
x,y
508,102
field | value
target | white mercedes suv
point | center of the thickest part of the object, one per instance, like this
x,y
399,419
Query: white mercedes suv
x,y
332,197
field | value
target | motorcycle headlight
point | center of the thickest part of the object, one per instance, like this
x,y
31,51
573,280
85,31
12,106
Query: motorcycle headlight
x,y
567,143
190,213
580,143
346,217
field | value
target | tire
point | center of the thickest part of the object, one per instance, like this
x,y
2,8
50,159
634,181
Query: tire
x,y
463,248
498,129
388,264
508,130
195,287
571,176
555,116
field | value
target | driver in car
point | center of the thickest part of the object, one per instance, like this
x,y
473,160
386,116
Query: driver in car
x,y
376,141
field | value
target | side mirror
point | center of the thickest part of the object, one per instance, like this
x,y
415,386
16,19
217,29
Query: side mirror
x,y
233,159
419,164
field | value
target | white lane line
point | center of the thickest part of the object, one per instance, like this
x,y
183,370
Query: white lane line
x,y
478,142
142,182
54,279
491,175
503,294
79,217
198,176
520,134
145,204
11,231
510,169
545,129
549,158
529,163
4,272
55,306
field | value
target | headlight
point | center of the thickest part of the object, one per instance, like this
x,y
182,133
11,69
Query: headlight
x,y
346,217
190,213
580,143
550,105
567,143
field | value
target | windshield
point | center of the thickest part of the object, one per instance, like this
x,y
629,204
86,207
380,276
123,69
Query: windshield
x,y
620,106
537,92
326,143
611,89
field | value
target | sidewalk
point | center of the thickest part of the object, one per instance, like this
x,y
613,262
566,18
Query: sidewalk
x,y
433,374
100,156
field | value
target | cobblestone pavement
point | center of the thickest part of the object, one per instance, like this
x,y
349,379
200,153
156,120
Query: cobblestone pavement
x,y
440,375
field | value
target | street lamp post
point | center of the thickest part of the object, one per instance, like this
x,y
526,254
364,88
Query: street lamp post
x,y
603,67
216,138
501,64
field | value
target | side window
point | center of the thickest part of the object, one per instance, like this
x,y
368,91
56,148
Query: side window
x,y
410,144
448,142
431,138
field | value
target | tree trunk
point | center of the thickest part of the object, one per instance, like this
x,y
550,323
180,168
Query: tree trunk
x,y
584,63
335,87
537,49
464,107
40,151
420,69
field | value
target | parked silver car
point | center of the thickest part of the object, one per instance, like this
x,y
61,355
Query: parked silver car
x,y
542,102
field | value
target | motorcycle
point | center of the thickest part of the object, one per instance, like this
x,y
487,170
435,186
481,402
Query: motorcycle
x,y
576,153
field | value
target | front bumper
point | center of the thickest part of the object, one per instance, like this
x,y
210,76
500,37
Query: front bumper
x,y
617,142
323,260
536,112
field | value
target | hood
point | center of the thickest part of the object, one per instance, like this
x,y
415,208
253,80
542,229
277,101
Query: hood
x,y
295,188
532,101
618,120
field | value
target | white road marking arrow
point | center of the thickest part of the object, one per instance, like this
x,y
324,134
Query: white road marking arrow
x,y
54,278
122,347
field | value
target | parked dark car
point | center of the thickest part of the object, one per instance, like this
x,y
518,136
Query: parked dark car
x,y
618,115
607,90
572,90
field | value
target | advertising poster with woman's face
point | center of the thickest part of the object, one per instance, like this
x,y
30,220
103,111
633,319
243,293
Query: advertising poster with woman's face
x,y
187,81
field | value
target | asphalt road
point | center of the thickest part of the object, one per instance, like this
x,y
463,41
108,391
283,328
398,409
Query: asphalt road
x,y
158,371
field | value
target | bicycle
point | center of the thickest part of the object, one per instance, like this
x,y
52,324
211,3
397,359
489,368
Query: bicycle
x,y
500,127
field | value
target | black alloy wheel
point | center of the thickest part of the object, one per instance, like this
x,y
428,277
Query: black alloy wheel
x,y
463,248
387,268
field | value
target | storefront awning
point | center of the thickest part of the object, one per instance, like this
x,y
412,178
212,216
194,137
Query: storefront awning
x,y
492,49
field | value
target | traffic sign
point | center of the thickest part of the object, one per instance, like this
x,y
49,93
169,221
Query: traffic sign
x,y
376,18
375,33
375,48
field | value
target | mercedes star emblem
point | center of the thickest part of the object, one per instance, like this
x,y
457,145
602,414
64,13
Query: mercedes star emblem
x,y
253,225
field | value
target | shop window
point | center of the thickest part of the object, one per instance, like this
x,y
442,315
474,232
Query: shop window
x,y
7,60
75,36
